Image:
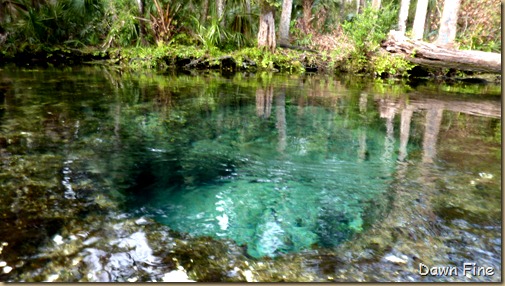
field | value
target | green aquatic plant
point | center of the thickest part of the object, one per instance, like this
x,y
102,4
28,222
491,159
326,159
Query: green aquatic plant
x,y
386,65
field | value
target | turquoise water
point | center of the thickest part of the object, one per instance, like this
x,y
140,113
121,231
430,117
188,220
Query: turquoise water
x,y
114,176
302,177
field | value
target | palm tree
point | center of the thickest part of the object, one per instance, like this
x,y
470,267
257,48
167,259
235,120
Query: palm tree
x,y
285,20
448,23
10,9
404,13
220,12
420,19
266,33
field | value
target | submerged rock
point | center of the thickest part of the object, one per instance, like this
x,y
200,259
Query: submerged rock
x,y
178,275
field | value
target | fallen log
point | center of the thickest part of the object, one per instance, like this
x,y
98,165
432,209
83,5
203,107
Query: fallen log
x,y
433,56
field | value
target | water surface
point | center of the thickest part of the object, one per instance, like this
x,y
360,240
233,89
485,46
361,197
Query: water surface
x,y
110,172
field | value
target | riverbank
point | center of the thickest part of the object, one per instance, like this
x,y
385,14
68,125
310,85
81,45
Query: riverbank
x,y
180,57
380,65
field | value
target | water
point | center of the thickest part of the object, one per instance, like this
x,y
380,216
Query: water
x,y
277,183
130,176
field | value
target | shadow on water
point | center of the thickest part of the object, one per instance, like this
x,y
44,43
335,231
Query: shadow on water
x,y
245,178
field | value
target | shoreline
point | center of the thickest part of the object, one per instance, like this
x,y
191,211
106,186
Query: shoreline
x,y
190,58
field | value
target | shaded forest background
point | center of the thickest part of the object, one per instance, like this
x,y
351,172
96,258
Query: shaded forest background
x,y
343,27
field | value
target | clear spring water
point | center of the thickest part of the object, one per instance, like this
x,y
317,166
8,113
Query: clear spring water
x,y
279,164
279,181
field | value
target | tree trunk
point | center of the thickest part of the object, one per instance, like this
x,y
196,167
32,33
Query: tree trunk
x,y
285,21
376,4
404,14
420,19
360,5
142,24
220,11
266,33
248,10
307,14
448,23
205,12
433,56
342,10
